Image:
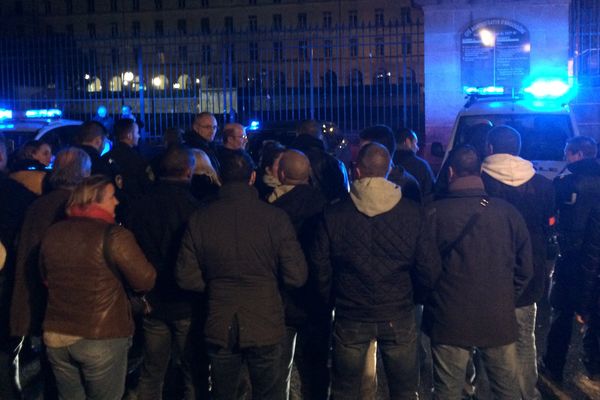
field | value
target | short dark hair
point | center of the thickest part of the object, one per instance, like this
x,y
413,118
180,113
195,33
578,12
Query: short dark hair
x,y
310,127
204,114
381,134
173,136
373,160
89,131
464,161
123,127
584,144
504,139
177,161
236,166
270,151
405,133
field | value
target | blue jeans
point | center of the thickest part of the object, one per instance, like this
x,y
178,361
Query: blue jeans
x,y
397,343
526,353
450,367
161,339
90,369
264,365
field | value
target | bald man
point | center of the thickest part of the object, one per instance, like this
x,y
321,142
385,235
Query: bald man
x,y
366,249
307,324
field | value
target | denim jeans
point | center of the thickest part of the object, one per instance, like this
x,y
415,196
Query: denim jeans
x,y
264,366
90,369
308,348
397,344
526,353
450,366
172,340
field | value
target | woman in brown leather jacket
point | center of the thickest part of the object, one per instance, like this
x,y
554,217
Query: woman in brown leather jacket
x,y
86,261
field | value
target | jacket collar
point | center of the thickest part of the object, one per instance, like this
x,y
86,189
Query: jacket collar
x,y
587,166
508,169
236,190
466,186
374,196
305,141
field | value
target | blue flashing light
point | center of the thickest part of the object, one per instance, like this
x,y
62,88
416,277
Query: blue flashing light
x,y
548,88
7,126
254,126
5,114
106,147
43,113
484,91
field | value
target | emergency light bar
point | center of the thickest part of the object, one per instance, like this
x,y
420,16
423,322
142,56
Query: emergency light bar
x,y
43,113
5,114
548,88
484,91
254,126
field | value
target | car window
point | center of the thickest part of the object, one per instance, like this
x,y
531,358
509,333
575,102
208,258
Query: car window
x,y
543,137
16,139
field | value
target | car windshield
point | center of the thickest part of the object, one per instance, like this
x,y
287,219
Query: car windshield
x,y
543,137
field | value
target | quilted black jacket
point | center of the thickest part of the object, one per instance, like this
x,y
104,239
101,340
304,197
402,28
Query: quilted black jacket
x,y
365,263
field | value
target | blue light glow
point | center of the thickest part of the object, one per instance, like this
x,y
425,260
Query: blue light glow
x,y
484,91
254,126
106,147
7,126
5,114
43,113
552,88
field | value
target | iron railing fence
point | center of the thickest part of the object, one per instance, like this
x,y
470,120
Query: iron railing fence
x,y
352,76
585,41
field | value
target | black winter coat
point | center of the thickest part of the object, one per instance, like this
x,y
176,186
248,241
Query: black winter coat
x,y
304,206
418,168
577,192
473,303
408,183
364,264
195,141
238,249
535,201
134,169
158,223
329,174
589,296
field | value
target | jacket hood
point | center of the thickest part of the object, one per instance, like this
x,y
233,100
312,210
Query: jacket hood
x,y
374,196
305,142
508,169
280,191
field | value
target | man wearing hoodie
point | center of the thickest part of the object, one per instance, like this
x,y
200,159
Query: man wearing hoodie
x,y
487,263
308,322
366,250
577,192
509,177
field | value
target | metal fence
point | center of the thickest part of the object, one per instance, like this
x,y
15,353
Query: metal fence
x,y
585,41
352,76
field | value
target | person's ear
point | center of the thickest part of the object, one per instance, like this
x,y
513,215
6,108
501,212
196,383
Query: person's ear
x,y
281,175
357,172
252,178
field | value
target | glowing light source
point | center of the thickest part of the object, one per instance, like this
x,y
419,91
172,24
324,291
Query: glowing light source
x,y
527,47
157,81
254,125
177,85
128,76
86,77
484,91
5,114
488,38
552,88
43,113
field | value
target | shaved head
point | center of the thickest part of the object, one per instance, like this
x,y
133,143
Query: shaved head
x,y
373,161
294,168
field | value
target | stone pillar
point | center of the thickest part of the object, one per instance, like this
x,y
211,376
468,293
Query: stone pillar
x,y
445,21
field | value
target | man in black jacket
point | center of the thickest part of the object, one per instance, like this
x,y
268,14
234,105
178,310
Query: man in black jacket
x,y
328,174
509,177
158,222
239,250
90,138
407,146
487,263
577,191
366,251
308,323
202,136
383,135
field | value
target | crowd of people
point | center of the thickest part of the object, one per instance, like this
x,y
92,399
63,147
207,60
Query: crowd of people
x,y
232,272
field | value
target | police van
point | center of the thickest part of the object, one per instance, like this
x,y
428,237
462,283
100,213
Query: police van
x,y
39,124
539,113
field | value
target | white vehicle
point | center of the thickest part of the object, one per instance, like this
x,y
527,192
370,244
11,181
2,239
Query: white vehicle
x,y
545,124
42,124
